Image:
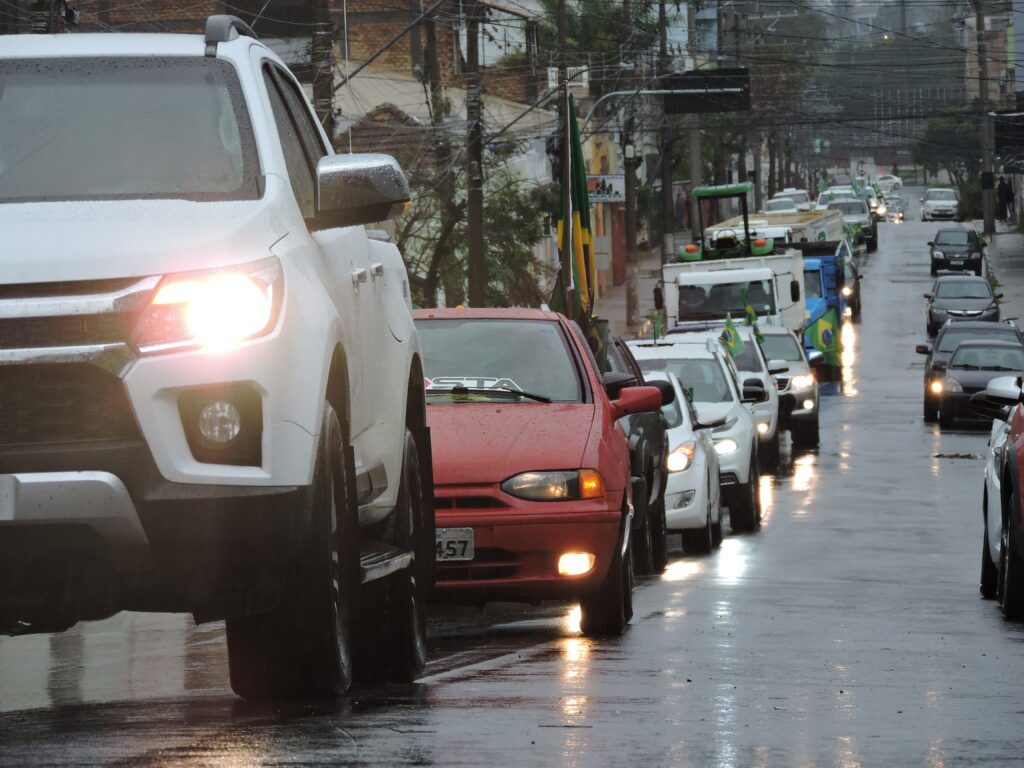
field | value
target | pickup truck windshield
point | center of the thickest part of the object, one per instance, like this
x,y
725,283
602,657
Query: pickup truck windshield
x,y
715,302
849,207
482,354
778,347
703,376
124,128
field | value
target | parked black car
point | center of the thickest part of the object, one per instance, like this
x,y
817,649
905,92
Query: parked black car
x,y
956,297
648,448
955,248
946,341
973,365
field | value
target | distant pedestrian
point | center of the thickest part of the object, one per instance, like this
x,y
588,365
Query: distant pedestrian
x,y
1011,208
1003,196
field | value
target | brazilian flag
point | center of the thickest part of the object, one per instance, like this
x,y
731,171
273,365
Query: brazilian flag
x,y
574,217
730,338
823,335
750,318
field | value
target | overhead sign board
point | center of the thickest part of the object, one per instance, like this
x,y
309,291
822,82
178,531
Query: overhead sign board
x,y
606,189
707,90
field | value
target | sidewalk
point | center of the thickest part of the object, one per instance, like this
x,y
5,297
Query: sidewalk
x,y
1006,263
612,305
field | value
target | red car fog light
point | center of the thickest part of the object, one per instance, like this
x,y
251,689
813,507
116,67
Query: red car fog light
x,y
576,563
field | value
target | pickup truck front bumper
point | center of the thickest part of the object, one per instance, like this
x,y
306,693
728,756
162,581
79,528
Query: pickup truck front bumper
x,y
86,531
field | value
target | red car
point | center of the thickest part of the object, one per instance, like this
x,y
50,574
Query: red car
x,y
531,470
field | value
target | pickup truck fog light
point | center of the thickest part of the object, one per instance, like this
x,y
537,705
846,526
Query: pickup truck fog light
x,y
223,424
685,499
220,422
576,563
762,428
808,405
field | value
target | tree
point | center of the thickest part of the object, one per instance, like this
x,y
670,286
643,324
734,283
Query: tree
x,y
953,144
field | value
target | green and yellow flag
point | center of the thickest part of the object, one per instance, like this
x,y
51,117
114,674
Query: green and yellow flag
x,y
730,338
824,336
575,209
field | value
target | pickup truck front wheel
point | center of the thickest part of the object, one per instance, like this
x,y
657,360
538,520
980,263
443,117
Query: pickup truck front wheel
x,y
303,647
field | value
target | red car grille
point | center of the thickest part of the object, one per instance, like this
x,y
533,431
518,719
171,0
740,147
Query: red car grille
x,y
488,563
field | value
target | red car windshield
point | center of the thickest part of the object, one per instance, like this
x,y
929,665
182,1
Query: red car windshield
x,y
490,357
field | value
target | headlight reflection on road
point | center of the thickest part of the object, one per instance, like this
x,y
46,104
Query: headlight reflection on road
x,y
572,619
732,561
681,570
805,478
575,653
848,358
767,490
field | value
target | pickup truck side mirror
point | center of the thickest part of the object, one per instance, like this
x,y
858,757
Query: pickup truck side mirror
x,y
712,424
668,392
1004,390
659,298
815,358
358,189
930,242
927,296
615,381
794,291
637,400
754,391
924,349
999,295
777,366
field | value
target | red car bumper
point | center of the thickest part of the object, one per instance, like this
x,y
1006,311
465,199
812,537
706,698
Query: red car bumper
x,y
517,545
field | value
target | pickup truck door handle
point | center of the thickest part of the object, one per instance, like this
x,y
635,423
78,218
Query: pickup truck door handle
x,y
377,269
359,276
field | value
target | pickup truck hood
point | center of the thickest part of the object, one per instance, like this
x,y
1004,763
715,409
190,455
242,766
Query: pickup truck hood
x,y
45,242
483,443
708,412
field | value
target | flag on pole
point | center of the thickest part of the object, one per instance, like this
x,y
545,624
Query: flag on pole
x,y
574,229
730,338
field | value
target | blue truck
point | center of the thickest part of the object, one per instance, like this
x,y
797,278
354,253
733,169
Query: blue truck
x,y
824,276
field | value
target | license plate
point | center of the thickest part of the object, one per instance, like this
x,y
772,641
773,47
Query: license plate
x,y
957,262
454,544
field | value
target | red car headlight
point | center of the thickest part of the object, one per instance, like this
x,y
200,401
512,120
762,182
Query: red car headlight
x,y
215,310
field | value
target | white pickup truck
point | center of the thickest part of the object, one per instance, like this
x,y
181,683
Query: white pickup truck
x,y
700,292
211,395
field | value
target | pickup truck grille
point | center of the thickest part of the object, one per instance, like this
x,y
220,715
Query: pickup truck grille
x,y
62,403
65,330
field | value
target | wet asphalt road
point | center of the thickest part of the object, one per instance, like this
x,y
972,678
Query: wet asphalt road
x,y
848,632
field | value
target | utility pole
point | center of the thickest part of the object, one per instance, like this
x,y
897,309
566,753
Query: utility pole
x,y
474,160
667,207
988,202
322,60
696,171
629,158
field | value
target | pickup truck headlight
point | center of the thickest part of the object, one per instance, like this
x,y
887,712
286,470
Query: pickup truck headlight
x,y
556,486
804,381
215,309
952,385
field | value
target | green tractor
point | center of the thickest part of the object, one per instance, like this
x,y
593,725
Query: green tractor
x,y
728,242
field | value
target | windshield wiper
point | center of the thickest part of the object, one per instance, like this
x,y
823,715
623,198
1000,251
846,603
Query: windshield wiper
x,y
1001,368
967,367
491,391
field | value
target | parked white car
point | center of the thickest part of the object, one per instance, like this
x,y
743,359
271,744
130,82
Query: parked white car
x,y
692,494
713,383
889,183
940,205
751,363
219,396
780,205
799,398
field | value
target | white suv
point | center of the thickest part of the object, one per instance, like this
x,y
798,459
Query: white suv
x,y
708,375
211,396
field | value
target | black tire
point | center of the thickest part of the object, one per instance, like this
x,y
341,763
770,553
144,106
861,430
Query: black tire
x,y
643,536
407,590
934,270
303,647
700,541
806,435
978,270
945,418
659,534
768,454
989,570
930,411
1011,569
606,611
744,513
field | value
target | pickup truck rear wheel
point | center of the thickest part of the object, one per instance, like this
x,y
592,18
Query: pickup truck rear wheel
x,y
303,647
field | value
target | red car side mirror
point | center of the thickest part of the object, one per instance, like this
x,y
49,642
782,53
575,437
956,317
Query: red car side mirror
x,y
637,400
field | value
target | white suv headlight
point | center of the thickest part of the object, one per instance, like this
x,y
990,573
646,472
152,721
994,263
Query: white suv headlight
x,y
725,446
804,381
216,309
